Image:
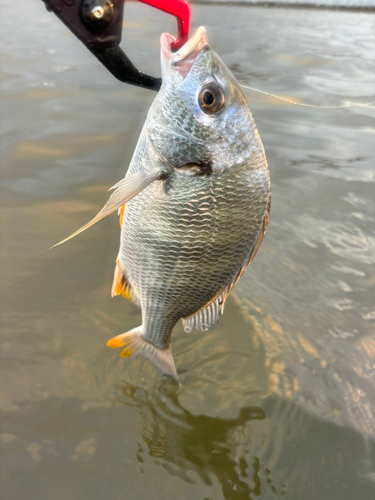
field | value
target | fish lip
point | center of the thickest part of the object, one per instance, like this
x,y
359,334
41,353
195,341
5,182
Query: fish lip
x,y
193,46
184,58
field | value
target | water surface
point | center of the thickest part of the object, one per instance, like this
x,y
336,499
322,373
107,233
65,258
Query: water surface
x,y
277,400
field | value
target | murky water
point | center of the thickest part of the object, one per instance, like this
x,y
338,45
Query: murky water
x,y
276,401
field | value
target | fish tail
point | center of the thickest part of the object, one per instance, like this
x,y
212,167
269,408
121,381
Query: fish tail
x,y
136,345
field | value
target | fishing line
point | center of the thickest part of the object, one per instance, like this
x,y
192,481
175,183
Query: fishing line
x,y
306,105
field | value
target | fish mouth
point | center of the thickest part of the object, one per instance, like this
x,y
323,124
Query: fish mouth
x,y
182,60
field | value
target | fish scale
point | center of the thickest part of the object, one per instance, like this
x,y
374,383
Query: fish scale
x,y
219,235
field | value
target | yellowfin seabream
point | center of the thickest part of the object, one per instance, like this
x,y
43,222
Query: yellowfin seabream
x,y
197,195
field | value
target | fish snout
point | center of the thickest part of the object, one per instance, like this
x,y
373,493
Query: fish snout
x,y
180,62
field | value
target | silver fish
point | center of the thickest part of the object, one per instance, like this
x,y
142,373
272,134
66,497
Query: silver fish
x,y
197,195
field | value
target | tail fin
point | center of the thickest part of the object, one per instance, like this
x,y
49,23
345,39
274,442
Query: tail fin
x,y
136,345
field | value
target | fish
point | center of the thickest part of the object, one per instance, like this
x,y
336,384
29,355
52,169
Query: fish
x,y
194,204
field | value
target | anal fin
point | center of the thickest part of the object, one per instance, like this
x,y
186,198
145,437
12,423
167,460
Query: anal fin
x,y
121,286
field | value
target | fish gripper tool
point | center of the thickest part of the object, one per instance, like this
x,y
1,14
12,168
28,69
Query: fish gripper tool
x,y
98,24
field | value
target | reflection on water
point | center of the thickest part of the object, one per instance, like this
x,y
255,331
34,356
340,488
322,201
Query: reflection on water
x,y
277,400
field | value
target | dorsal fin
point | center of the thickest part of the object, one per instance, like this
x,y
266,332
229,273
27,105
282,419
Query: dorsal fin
x,y
210,314
204,318
251,255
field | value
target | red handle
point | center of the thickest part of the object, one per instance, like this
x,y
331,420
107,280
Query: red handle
x,y
180,9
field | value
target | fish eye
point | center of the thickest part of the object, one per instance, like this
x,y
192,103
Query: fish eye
x,y
211,98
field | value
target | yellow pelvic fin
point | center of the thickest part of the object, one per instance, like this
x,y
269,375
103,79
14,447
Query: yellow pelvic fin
x,y
121,214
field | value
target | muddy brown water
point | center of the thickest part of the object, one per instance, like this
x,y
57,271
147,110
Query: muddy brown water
x,y
276,401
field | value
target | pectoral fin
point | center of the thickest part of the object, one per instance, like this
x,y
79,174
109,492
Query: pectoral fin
x,y
124,191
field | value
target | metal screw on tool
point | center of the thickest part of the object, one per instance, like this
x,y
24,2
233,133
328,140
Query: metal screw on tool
x,y
98,12
96,15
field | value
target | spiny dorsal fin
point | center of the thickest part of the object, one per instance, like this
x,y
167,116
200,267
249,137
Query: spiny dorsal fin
x,y
124,191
